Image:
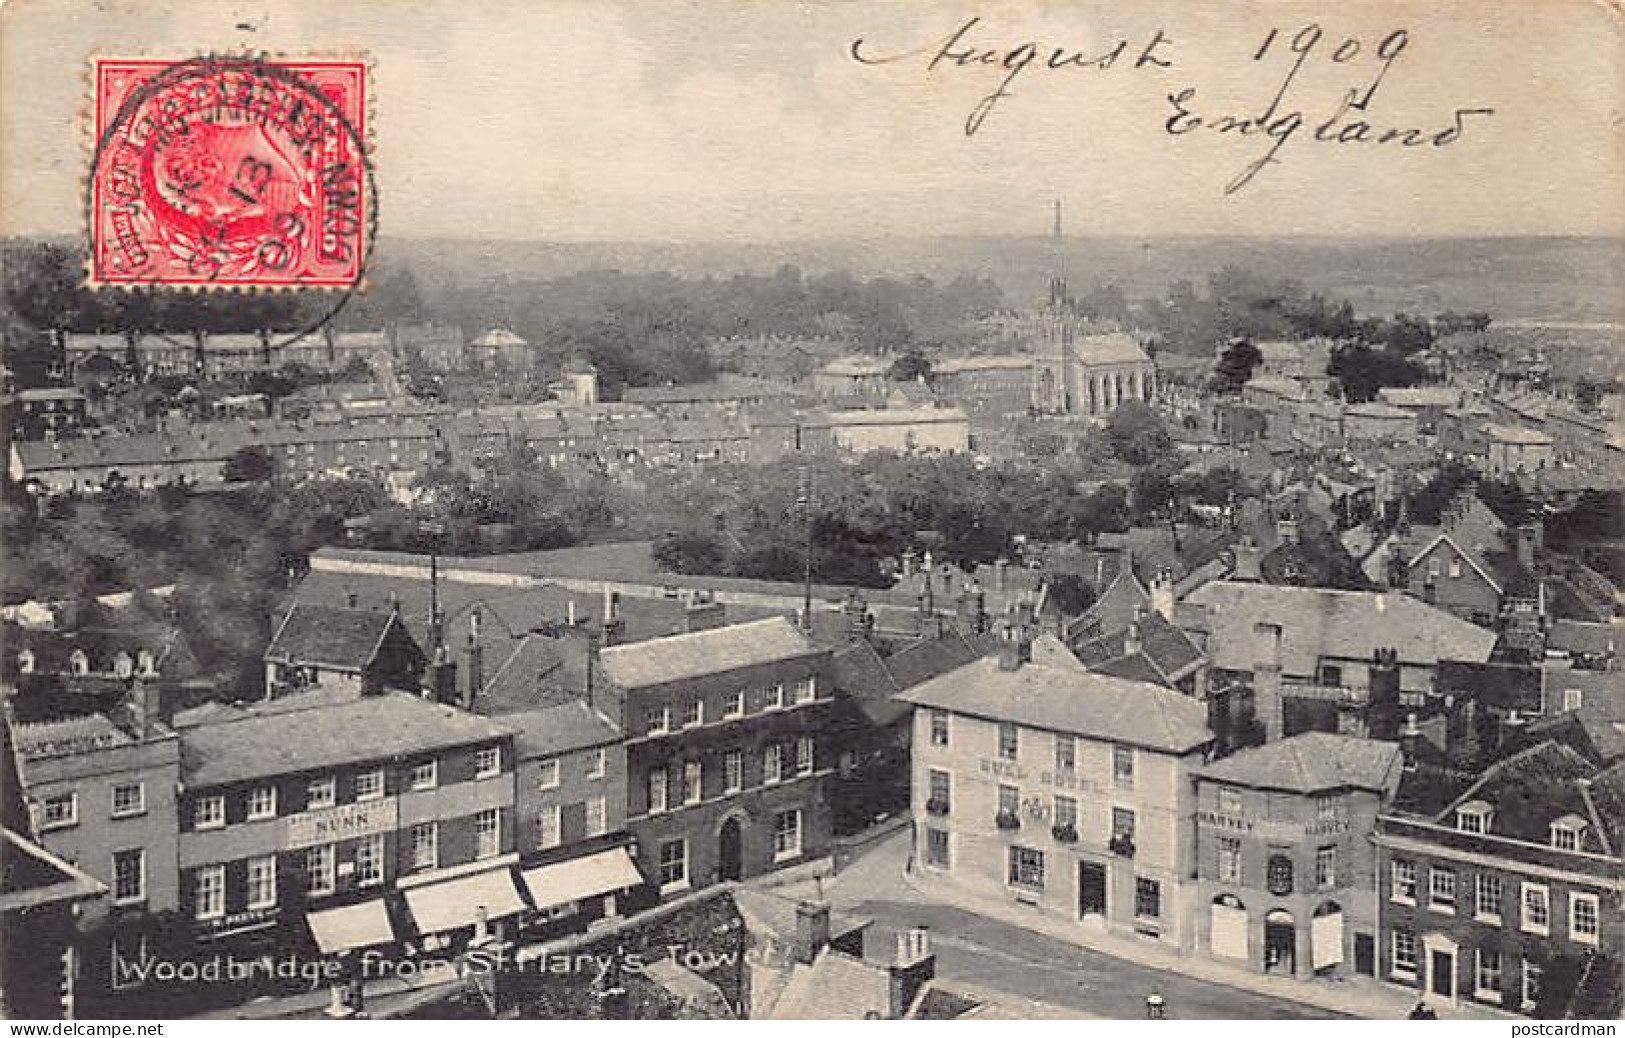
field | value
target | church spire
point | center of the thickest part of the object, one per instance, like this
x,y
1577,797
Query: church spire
x,y
1058,296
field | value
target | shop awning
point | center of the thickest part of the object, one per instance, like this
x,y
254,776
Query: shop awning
x,y
595,874
455,903
353,926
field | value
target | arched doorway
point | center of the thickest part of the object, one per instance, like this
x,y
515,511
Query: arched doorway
x,y
1280,943
1228,930
1326,936
731,850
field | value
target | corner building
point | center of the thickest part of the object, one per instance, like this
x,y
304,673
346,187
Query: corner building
x,y
1038,782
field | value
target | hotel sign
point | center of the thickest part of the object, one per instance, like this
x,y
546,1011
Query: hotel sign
x,y
341,823
1005,769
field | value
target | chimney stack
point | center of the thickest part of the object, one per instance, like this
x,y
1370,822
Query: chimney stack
x,y
915,966
614,624
476,660
1162,593
1131,638
972,610
443,676
1001,567
812,930
1530,538
703,612
1015,646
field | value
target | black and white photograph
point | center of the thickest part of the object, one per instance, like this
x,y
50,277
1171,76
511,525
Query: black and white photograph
x,y
796,510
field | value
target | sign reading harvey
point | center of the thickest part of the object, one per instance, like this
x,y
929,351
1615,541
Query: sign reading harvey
x,y
341,823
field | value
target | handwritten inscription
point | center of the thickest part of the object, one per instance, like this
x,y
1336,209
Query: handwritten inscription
x,y
1352,121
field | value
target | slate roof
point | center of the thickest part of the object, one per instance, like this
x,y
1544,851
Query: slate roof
x,y
775,915
71,735
858,671
1532,788
1110,348
263,744
1062,696
682,656
553,730
330,636
1312,762
929,657
1320,622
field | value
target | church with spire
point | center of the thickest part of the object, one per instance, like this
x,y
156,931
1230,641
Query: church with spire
x,y
1078,372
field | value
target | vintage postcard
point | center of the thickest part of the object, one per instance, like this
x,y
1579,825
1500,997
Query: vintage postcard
x,y
812,509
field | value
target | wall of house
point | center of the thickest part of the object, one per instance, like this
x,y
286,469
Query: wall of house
x,y
576,786
980,852
1459,932
1270,825
96,836
1443,578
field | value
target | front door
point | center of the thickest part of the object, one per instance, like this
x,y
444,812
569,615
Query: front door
x,y
1443,973
1091,889
730,851
1280,948
1365,954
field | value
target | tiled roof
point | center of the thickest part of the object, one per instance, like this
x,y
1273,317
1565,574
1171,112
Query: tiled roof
x,y
330,636
1588,639
384,726
1319,622
682,656
836,986
1311,762
929,657
559,729
71,735
1062,696
1164,649
858,671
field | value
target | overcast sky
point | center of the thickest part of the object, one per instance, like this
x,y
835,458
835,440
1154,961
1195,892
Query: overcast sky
x,y
566,120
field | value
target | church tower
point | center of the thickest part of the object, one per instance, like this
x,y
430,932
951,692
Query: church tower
x,y
1061,318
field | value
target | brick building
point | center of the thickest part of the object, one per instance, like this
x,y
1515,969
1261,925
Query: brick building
x,y
727,751
1507,887
570,814
370,819
342,649
1285,868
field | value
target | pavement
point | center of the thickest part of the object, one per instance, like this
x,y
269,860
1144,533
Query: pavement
x,y
997,945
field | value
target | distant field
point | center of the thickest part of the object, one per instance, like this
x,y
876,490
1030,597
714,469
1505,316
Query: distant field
x,y
1569,280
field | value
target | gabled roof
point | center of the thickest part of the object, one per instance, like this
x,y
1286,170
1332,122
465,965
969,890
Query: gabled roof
x,y
1586,639
1056,693
1109,348
925,659
331,636
1165,652
858,671
1321,622
1312,762
679,657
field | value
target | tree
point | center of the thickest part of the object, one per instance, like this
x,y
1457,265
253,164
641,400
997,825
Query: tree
x,y
1136,434
910,367
1358,372
1071,594
252,464
1235,367
690,553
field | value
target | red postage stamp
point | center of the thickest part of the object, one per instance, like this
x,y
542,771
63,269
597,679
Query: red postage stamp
x,y
229,172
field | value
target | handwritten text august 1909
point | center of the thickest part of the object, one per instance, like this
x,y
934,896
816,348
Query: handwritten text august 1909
x,y
1276,123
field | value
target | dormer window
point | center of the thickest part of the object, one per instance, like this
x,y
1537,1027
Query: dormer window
x,y
78,662
1473,817
145,664
25,661
123,665
1566,832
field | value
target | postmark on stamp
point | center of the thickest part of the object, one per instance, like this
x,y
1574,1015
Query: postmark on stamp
x,y
229,173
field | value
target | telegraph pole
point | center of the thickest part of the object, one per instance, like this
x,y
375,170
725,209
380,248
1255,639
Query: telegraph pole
x,y
804,503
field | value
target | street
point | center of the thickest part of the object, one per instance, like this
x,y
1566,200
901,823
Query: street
x,y
991,954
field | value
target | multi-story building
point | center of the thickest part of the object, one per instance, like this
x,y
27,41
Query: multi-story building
x,y
315,810
1039,782
1320,659
906,431
100,790
47,412
727,751
1285,868
993,385
1507,888
570,814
